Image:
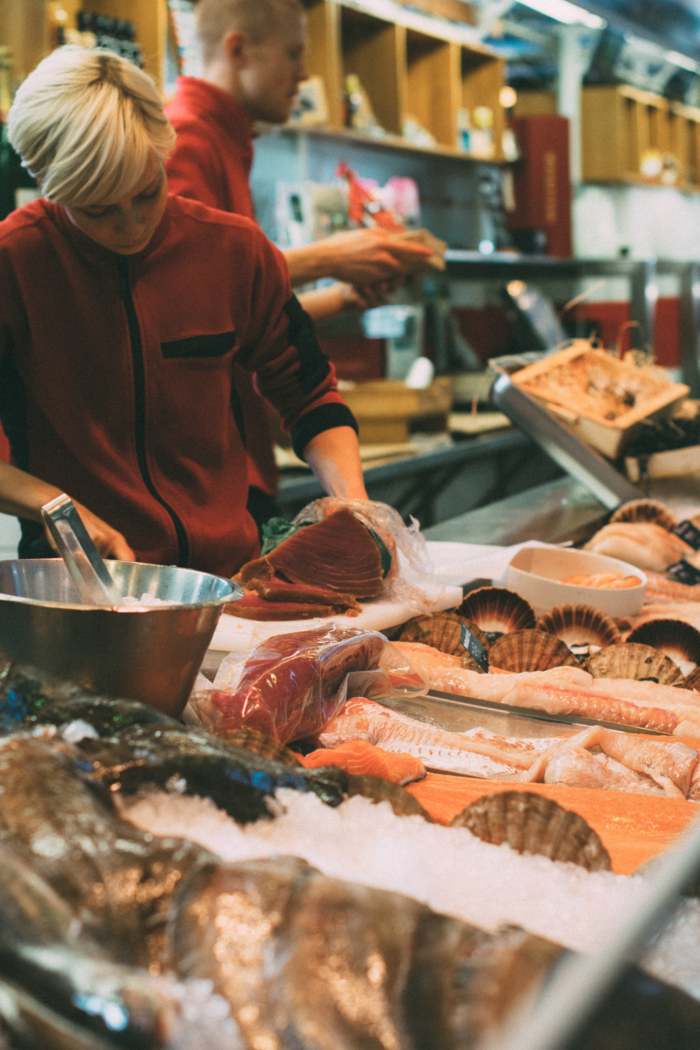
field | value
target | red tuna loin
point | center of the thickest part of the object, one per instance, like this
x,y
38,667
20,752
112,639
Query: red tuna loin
x,y
280,591
288,687
337,553
253,607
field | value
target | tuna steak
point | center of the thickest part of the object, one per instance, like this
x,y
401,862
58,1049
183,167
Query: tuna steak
x,y
337,553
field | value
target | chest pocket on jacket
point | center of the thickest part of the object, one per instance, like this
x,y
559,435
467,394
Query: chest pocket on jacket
x,y
200,345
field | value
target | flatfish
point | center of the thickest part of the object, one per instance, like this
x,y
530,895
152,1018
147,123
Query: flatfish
x,y
316,963
309,962
29,697
193,762
116,879
43,948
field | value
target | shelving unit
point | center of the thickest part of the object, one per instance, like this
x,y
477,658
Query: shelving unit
x,y
371,48
628,135
410,64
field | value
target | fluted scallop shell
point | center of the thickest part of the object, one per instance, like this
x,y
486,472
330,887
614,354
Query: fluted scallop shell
x,y
633,660
260,744
497,611
582,627
444,632
645,510
402,803
530,650
532,823
692,681
678,639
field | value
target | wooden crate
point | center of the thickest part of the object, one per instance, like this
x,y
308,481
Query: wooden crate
x,y
657,396
385,408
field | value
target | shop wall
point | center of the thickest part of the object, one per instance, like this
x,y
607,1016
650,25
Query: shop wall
x,y
644,221
454,193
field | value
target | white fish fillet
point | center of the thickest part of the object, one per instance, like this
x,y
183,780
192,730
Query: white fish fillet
x,y
477,753
689,612
577,767
570,690
644,544
481,753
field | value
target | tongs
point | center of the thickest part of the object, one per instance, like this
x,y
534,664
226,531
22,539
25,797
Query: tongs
x,y
89,573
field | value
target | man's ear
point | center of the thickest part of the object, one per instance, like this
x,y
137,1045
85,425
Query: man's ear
x,y
236,47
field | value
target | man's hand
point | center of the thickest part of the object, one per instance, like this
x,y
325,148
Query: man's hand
x,y
340,298
360,257
24,495
109,542
334,457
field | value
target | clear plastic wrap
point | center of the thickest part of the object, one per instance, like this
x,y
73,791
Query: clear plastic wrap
x,y
289,686
410,578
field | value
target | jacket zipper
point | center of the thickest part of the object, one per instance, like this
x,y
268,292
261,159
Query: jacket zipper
x,y
140,406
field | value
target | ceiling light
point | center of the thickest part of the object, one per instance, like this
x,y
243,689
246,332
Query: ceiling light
x,y
563,11
681,60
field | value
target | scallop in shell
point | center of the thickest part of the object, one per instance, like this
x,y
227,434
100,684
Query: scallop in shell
x,y
532,823
260,744
678,639
497,611
530,650
402,803
444,632
633,660
645,510
692,681
582,627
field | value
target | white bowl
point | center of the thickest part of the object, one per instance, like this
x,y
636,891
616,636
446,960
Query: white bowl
x,y
535,573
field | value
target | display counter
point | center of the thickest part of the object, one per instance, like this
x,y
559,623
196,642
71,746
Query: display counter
x,y
553,512
439,485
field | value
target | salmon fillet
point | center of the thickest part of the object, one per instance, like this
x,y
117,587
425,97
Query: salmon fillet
x,y
360,758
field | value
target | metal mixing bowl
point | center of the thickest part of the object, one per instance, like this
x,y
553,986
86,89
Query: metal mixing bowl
x,y
148,654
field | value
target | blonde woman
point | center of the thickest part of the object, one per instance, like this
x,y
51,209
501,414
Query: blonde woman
x,y
122,311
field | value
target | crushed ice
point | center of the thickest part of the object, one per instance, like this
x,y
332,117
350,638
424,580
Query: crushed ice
x,y
448,869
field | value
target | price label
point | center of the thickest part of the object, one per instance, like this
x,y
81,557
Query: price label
x,y
689,533
475,648
685,573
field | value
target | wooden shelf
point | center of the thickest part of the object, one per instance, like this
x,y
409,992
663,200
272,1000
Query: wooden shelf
x,y
383,142
409,64
634,136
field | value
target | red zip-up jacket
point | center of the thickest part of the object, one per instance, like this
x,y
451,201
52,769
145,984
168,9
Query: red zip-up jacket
x,y
116,373
211,163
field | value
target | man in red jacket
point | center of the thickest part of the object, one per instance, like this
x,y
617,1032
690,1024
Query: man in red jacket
x,y
122,314
252,65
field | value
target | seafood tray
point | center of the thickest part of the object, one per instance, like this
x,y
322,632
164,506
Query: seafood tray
x,y
599,398
566,448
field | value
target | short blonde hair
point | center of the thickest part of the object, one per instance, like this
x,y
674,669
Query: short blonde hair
x,y
256,18
85,122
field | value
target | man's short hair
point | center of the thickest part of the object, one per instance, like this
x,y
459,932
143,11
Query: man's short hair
x,y
256,18
85,122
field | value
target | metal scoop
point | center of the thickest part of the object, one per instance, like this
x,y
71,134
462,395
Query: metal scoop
x,y
83,561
